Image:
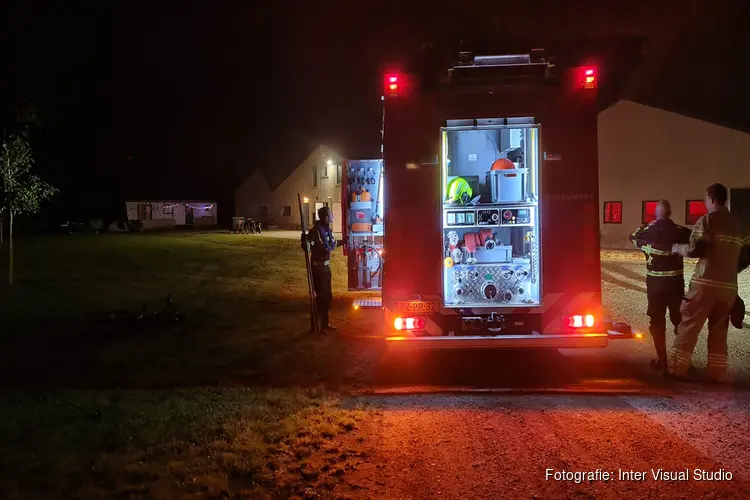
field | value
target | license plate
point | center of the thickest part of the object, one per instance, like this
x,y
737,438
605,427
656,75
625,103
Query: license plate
x,y
416,307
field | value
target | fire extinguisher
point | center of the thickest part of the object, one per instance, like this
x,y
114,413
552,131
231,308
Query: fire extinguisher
x,y
368,279
360,267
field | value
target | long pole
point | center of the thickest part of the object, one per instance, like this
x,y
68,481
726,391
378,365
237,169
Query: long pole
x,y
314,323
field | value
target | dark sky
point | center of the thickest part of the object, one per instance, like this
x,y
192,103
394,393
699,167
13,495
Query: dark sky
x,y
183,99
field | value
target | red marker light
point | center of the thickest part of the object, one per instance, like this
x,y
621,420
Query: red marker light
x,y
391,85
589,78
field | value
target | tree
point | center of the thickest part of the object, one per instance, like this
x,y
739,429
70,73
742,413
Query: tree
x,y
22,191
26,119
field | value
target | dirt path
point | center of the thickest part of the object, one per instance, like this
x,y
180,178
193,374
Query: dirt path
x,y
464,446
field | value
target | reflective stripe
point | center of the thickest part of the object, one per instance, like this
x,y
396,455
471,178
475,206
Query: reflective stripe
x,y
662,274
648,249
713,283
729,239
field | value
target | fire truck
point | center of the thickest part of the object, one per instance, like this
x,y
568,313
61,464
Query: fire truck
x,y
486,229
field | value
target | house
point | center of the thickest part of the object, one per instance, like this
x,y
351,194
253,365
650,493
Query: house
x,y
164,214
317,178
647,153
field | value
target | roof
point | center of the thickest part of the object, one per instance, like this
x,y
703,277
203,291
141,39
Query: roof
x,y
285,165
696,72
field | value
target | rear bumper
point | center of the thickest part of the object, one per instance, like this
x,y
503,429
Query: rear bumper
x,y
503,341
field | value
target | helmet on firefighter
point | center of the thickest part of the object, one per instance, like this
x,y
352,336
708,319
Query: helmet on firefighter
x,y
459,191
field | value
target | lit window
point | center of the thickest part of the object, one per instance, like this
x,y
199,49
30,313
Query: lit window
x,y
694,210
648,211
613,212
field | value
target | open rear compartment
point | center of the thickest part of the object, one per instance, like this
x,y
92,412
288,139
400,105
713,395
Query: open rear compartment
x,y
364,230
491,223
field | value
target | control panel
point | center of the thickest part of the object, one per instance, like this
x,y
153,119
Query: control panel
x,y
460,218
515,216
488,217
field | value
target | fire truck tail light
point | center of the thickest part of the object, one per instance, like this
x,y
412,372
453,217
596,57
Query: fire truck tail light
x,y
409,324
580,321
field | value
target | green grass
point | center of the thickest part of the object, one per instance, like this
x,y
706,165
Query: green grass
x,y
179,444
244,297
92,412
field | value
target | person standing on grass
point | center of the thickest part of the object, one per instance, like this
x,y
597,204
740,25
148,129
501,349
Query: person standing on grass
x,y
722,250
665,283
321,243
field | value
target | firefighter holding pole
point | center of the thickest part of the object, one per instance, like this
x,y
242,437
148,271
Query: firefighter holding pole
x,y
321,242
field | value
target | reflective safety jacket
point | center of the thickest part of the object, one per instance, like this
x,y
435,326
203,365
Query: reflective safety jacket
x,y
722,248
322,242
656,241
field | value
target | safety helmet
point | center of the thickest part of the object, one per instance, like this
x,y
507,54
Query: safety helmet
x,y
459,191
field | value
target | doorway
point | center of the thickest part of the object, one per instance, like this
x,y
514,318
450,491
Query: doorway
x,y
739,203
189,215
306,215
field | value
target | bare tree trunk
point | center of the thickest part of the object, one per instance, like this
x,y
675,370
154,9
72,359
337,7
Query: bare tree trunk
x,y
10,248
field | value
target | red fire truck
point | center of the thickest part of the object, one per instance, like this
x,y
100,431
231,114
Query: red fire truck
x,y
489,232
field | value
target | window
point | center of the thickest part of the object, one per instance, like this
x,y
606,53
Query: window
x,y
613,212
168,209
286,211
315,176
263,211
339,174
648,211
694,210
324,175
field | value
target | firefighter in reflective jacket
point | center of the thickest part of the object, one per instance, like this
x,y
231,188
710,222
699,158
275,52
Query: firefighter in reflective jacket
x,y
722,249
322,243
665,284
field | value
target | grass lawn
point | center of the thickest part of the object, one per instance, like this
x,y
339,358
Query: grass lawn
x,y
226,403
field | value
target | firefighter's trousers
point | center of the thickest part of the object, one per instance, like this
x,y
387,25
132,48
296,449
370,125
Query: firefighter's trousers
x,y
703,303
664,295
322,280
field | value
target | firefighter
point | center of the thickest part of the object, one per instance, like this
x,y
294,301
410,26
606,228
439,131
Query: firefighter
x,y
665,284
321,243
718,242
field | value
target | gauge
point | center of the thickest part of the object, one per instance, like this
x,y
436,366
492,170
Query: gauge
x,y
507,296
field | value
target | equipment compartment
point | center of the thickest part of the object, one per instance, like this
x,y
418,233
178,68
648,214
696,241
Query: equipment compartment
x,y
490,215
364,214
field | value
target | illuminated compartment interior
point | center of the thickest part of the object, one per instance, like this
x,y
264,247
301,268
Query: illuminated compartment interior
x,y
491,213
365,213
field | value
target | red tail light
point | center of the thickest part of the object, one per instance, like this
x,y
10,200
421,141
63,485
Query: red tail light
x,y
409,323
580,321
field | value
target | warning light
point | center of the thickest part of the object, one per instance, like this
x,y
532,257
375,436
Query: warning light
x,y
391,85
589,78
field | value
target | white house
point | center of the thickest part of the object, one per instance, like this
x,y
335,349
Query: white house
x,y
646,154
317,179
164,214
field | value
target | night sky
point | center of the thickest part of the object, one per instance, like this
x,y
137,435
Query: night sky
x,y
184,99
